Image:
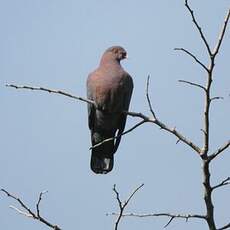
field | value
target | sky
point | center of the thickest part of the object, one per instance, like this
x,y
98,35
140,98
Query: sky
x,y
44,138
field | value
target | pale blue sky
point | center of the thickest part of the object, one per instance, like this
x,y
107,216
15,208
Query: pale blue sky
x,y
44,139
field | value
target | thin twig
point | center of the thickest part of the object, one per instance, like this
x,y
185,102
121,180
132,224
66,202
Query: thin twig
x,y
193,84
171,216
148,98
21,212
198,27
140,115
224,227
122,134
178,135
39,201
168,129
51,91
216,98
193,56
222,183
221,36
28,212
123,205
219,150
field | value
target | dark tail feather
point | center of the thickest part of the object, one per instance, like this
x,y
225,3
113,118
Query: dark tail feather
x,y
101,165
102,156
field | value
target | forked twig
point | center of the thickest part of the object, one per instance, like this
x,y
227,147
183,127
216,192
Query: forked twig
x,y
122,205
222,183
114,138
28,212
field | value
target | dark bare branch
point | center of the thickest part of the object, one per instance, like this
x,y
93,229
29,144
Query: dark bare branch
x,y
51,91
198,27
31,214
169,215
222,183
123,205
178,135
124,133
39,201
216,98
219,150
208,194
221,36
168,129
224,227
28,212
208,99
193,56
193,84
148,98
133,114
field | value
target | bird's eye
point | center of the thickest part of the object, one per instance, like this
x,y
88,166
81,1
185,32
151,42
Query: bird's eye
x,y
124,54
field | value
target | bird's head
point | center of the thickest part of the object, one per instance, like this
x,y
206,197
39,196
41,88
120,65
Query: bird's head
x,y
116,52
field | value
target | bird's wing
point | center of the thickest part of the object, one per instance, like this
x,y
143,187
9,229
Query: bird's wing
x,y
128,89
91,108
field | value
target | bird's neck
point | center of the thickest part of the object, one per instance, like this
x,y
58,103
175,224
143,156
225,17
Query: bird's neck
x,y
108,59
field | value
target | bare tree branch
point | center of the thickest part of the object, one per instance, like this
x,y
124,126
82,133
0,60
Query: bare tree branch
x,y
219,150
224,227
222,183
133,114
171,216
39,201
20,211
113,138
198,27
193,84
221,36
51,91
208,195
28,212
123,205
179,136
148,98
208,98
216,98
193,56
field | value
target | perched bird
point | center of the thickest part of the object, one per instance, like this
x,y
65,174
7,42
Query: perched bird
x,y
110,87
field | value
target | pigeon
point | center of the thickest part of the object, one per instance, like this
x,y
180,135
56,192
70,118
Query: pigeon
x,y
110,87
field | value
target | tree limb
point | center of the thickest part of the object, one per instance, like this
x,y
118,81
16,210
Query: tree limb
x,y
221,36
193,84
193,56
148,98
222,183
224,227
51,91
133,114
113,138
28,212
198,27
171,216
123,205
216,98
219,150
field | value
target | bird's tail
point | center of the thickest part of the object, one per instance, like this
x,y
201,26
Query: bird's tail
x,y
102,156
